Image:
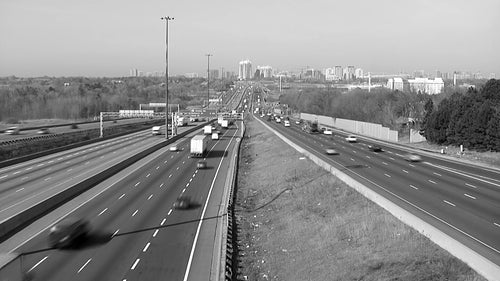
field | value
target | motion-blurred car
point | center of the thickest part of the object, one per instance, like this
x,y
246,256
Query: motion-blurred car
x,y
174,148
43,131
374,148
12,131
331,151
201,164
183,202
351,138
328,132
412,157
67,231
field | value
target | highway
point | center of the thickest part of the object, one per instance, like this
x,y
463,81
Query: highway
x,y
137,234
461,200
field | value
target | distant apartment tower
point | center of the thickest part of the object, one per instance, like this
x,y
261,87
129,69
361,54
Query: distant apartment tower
x,y
339,72
358,73
349,73
330,74
191,75
245,70
398,83
426,85
214,74
134,72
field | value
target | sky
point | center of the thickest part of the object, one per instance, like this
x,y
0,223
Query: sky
x,y
107,38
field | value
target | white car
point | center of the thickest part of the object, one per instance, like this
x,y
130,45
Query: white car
x,y
287,123
174,148
215,136
351,138
328,132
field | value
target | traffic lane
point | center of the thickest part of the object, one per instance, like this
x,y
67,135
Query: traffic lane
x,y
25,196
127,209
436,207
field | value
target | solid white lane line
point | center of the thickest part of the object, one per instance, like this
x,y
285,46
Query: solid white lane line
x,y
121,196
137,183
163,221
150,196
387,175
102,212
20,189
83,266
470,196
37,264
169,212
449,203
135,212
436,174
147,176
473,186
146,247
431,181
414,187
405,171
135,264
156,232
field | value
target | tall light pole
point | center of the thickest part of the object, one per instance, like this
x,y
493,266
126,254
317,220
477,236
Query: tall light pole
x,y
208,79
166,19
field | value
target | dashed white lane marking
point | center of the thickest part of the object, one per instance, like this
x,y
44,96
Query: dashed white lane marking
x,y
354,151
29,168
431,181
37,264
146,247
384,163
352,159
496,224
161,184
470,196
387,175
135,264
169,212
391,158
183,162
449,203
121,196
437,174
170,176
102,212
24,178
15,173
414,187
177,168
473,186
150,196
156,232
116,232
47,179
163,221
101,157
147,176
40,165
405,171
191,179
69,170
164,162
135,212
86,163
157,167
60,158
184,190
172,156
83,266
20,189
368,157
411,165
3,177
137,183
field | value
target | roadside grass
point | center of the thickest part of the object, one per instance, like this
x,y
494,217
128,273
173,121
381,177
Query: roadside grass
x,y
33,123
298,222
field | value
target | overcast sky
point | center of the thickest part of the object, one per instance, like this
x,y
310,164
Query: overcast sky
x,y
109,37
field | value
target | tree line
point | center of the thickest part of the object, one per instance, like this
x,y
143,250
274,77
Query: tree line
x,y
83,98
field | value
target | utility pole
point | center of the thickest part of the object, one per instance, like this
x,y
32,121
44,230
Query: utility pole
x,y
166,19
208,79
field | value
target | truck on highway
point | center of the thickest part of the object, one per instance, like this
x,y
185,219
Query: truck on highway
x,y
182,121
225,124
156,130
207,130
199,144
310,127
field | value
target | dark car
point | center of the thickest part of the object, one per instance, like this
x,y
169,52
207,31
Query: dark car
x,y
183,202
375,148
331,151
67,231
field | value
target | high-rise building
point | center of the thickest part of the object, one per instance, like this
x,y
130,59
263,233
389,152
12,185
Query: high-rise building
x,y
429,86
245,70
339,72
265,71
134,72
358,73
349,72
330,74
214,74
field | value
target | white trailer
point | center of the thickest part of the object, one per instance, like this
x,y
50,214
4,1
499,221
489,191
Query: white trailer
x,y
199,144
207,130
182,121
225,124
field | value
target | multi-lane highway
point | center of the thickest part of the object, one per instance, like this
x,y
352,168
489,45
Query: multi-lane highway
x,y
462,200
136,233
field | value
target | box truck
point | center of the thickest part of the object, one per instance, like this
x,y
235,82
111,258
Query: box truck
x,y
199,144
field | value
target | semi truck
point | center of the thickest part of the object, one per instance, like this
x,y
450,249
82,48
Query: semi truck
x,y
310,127
207,130
225,124
199,144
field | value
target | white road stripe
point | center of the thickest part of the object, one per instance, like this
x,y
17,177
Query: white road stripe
x,y
165,161
470,196
116,232
102,212
161,184
3,177
135,264
496,224
20,189
169,212
384,163
37,264
449,203
387,175
414,187
150,196
121,196
473,186
137,183
157,167
135,212
163,221
170,176
411,165
405,171
40,165
47,179
83,266
146,247
156,232
29,168
147,176
15,173
368,157
431,181
436,174
69,170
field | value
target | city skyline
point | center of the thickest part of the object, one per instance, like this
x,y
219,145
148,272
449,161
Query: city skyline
x,y
108,38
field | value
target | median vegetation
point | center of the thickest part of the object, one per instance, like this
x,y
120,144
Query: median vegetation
x,y
298,222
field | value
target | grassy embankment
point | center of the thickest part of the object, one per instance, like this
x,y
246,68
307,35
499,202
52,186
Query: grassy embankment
x,y
298,222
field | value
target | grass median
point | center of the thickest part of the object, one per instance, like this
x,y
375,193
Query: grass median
x,y
298,222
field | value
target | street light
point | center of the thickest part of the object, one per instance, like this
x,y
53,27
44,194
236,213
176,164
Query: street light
x,y
166,19
208,79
